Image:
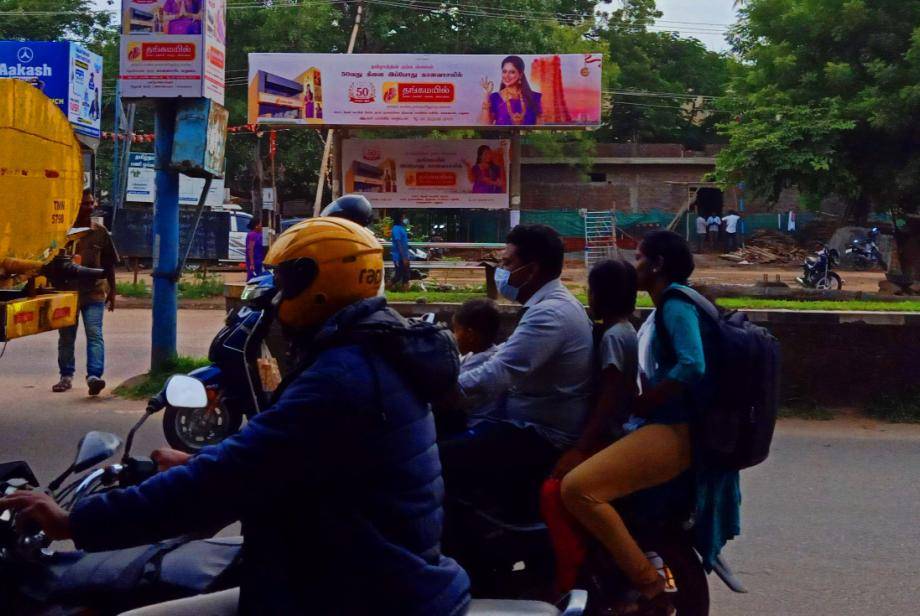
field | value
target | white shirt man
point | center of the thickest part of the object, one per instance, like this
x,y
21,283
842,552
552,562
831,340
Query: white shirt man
x,y
731,231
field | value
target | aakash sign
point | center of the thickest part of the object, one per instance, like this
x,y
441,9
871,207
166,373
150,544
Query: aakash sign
x,y
67,73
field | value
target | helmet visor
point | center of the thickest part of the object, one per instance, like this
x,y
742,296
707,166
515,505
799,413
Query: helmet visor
x,y
294,277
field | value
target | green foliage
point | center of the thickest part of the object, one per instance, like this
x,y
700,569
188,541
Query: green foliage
x,y
51,20
801,408
151,383
130,289
896,407
199,287
828,101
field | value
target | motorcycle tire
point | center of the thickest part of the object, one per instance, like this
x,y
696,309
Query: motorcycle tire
x,y
605,582
831,282
191,430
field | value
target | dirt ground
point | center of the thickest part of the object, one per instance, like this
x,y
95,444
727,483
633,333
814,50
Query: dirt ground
x,y
710,269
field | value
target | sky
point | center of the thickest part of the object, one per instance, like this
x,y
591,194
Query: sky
x,y
702,19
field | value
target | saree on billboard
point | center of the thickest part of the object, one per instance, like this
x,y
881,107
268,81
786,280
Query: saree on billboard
x,y
425,90
440,173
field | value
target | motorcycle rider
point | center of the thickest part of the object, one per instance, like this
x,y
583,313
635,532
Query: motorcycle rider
x,y
337,484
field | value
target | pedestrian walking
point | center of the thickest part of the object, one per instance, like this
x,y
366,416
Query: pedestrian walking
x,y
731,231
96,250
700,231
399,239
255,249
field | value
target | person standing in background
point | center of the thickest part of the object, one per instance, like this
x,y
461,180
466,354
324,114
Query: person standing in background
x,y
399,239
255,251
713,226
700,231
94,250
731,231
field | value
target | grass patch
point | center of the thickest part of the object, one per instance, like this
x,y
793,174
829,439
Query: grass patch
x,y
805,409
737,303
149,384
130,289
901,407
200,286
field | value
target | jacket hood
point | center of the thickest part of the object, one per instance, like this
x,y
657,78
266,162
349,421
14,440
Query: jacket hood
x,y
425,355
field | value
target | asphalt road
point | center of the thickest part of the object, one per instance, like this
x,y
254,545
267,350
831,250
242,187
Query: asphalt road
x,y
830,524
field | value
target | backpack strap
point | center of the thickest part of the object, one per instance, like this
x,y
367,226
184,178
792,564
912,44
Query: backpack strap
x,y
685,294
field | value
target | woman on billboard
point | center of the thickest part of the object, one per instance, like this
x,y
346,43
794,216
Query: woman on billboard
x,y
515,104
486,175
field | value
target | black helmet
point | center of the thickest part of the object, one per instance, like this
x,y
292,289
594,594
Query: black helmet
x,y
355,208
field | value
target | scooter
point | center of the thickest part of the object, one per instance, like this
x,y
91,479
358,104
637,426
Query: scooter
x,y
36,579
509,553
817,271
864,253
232,382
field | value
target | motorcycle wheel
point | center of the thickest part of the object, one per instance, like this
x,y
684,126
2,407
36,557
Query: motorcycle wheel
x,y
191,430
690,598
831,282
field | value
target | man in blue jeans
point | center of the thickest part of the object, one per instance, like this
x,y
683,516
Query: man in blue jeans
x,y
95,250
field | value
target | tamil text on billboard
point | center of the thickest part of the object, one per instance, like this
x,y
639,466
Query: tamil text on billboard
x,y
172,48
408,173
141,183
425,90
67,73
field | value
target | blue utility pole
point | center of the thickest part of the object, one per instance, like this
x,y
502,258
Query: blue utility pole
x,y
165,239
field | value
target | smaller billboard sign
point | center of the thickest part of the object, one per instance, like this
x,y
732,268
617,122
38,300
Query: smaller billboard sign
x,y
416,173
141,184
67,73
172,48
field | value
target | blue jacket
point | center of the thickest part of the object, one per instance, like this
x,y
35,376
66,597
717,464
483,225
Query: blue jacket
x,y
338,486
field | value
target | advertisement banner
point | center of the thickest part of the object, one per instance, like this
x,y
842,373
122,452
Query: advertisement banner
x,y
67,73
415,173
425,90
172,48
141,184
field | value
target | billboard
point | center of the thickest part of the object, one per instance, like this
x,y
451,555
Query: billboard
x,y
141,184
172,48
67,73
425,90
415,173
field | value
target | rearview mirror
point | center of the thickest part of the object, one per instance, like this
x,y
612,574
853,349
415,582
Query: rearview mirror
x,y
185,392
94,448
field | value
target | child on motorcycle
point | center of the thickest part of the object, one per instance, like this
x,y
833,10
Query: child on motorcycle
x,y
476,326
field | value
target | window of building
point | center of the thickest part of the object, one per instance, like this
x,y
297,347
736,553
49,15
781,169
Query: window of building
x,y
598,177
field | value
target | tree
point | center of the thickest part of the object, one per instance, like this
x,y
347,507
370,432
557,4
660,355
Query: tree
x,y
829,102
665,64
51,20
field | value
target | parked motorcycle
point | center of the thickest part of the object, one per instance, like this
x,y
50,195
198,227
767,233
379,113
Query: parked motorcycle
x,y
232,381
506,549
864,253
817,271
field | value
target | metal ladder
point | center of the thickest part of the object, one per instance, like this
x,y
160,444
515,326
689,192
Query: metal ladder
x,y
600,236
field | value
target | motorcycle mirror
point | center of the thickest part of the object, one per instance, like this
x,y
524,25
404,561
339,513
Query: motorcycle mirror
x,y
93,448
185,392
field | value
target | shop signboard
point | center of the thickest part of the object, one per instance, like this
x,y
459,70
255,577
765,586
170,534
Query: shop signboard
x,y
141,184
551,90
67,73
173,48
427,173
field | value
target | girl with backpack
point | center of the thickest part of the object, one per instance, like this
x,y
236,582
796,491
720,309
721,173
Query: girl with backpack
x,y
674,390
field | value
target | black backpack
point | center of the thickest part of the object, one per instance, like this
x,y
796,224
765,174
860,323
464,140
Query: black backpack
x,y
735,426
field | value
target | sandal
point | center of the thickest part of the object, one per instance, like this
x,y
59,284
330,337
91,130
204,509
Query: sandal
x,y
64,384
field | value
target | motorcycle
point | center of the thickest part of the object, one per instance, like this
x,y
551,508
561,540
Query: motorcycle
x,y
507,550
232,381
817,271
864,253
36,579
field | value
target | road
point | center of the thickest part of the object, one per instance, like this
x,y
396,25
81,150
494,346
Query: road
x,y
829,525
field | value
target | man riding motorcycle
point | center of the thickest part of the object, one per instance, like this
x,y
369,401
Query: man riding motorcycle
x,y
337,484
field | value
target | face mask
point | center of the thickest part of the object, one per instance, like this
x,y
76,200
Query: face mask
x,y
502,276
405,222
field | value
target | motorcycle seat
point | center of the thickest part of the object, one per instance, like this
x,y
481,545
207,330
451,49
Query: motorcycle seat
x,y
572,605
509,607
811,260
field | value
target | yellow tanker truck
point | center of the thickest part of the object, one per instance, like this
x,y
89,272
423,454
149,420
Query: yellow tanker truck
x,y
41,185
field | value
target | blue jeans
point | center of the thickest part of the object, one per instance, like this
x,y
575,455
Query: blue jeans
x,y
95,347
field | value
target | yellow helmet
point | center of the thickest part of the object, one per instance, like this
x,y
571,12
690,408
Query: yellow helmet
x,y
322,265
